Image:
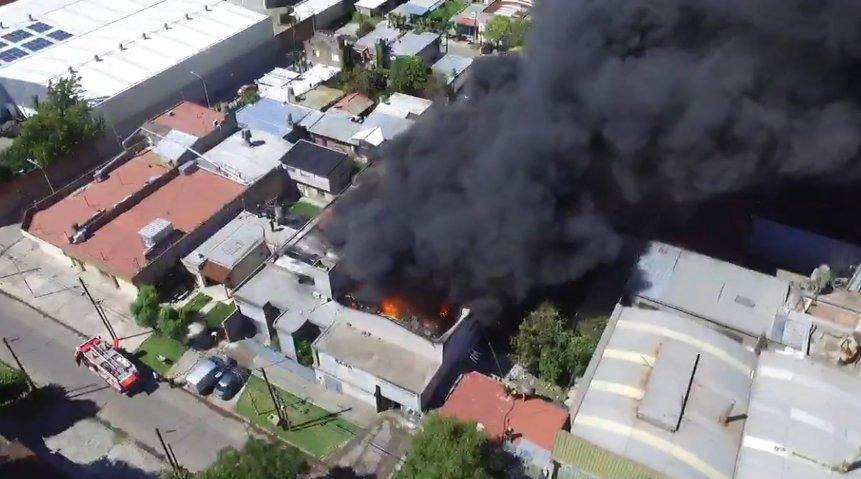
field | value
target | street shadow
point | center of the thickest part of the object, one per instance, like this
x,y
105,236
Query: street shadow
x,y
320,421
341,472
148,382
47,412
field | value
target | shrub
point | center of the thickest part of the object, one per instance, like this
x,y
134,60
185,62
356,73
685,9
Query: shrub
x,y
145,307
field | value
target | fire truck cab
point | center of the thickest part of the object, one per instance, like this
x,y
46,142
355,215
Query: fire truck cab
x,y
103,359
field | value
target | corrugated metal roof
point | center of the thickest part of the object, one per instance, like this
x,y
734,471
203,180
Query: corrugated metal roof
x,y
271,116
573,451
413,43
721,292
451,66
643,348
804,420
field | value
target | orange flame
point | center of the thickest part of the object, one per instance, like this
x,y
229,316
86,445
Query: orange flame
x,y
444,310
393,308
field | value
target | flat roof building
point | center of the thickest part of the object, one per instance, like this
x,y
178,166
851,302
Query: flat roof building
x,y
272,116
664,392
423,45
246,161
186,130
741,301
231,254
404,106
320,172
100,226
133,57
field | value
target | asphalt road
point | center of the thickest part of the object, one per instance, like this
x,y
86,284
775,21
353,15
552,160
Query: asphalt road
x,y
196,432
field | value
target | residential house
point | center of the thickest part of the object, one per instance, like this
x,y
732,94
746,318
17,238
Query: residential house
x,y
372,8
282,119
354,104
336,130
472,21
453,69
375,45
387,363
285,85
325,48
415,9
134,220
510,8
247,156
231,254
423,45
404,106
320,173
524,425
186,130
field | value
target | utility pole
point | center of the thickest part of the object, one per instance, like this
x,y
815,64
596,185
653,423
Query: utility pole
x,y
279,410
178,470
18,362
99,311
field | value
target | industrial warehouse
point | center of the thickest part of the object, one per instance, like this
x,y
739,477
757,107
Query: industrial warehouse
x,y
134,58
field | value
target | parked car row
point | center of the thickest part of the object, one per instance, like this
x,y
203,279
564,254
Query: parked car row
x,y
220,375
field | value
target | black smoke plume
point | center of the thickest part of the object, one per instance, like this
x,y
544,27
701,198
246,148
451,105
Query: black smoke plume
x,y
620,115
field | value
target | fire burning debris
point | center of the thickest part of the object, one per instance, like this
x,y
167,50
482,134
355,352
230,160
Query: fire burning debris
x,y
621,115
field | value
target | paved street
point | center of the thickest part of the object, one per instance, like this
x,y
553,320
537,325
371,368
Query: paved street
x,y
196,432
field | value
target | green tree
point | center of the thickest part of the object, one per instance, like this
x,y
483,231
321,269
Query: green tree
x,y
446,448
498,30
258,459
61,122
304,354
518,30
366,25
173,323
546,346
12,384
365,81
145,307
409,75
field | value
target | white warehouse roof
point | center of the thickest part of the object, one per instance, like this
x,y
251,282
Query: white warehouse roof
x,y
104,40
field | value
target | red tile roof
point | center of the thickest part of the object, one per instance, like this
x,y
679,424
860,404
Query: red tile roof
x,y
481,399
186,201
191,118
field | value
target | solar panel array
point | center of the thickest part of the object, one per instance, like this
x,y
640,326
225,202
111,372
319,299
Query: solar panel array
x,y
17,36
40,27
12,54
60,35
34,44
37,44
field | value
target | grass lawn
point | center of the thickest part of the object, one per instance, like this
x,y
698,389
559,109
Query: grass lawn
x,y
217,315
448,10
306,210
156,344
314,430
198,301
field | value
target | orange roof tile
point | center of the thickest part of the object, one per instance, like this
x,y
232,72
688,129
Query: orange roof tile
x,y
186,201
191,118
481,399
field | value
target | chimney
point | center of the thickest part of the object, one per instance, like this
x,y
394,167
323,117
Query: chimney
x,y
246,135
291,96
290,120
166,26
71,71
187,16
31,17
122,47
143,35
96,58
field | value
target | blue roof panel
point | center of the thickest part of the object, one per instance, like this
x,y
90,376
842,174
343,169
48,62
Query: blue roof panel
x,y
17,36
40,27
12,54
60,35
37,44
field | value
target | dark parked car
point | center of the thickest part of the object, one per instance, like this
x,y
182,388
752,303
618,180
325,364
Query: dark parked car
x,y
205,376
231,382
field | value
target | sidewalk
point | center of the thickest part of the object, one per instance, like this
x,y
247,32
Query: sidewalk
x,y
30,276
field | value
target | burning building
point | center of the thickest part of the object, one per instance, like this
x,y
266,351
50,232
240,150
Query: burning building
x,y
390,354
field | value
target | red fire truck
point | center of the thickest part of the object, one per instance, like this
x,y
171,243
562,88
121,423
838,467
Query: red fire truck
x,y
104,359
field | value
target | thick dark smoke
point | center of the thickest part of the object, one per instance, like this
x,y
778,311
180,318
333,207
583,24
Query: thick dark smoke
x,y
621,113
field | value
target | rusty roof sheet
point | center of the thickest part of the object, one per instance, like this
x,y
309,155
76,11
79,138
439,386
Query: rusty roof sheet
x,y
186,201
481,399
190,118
